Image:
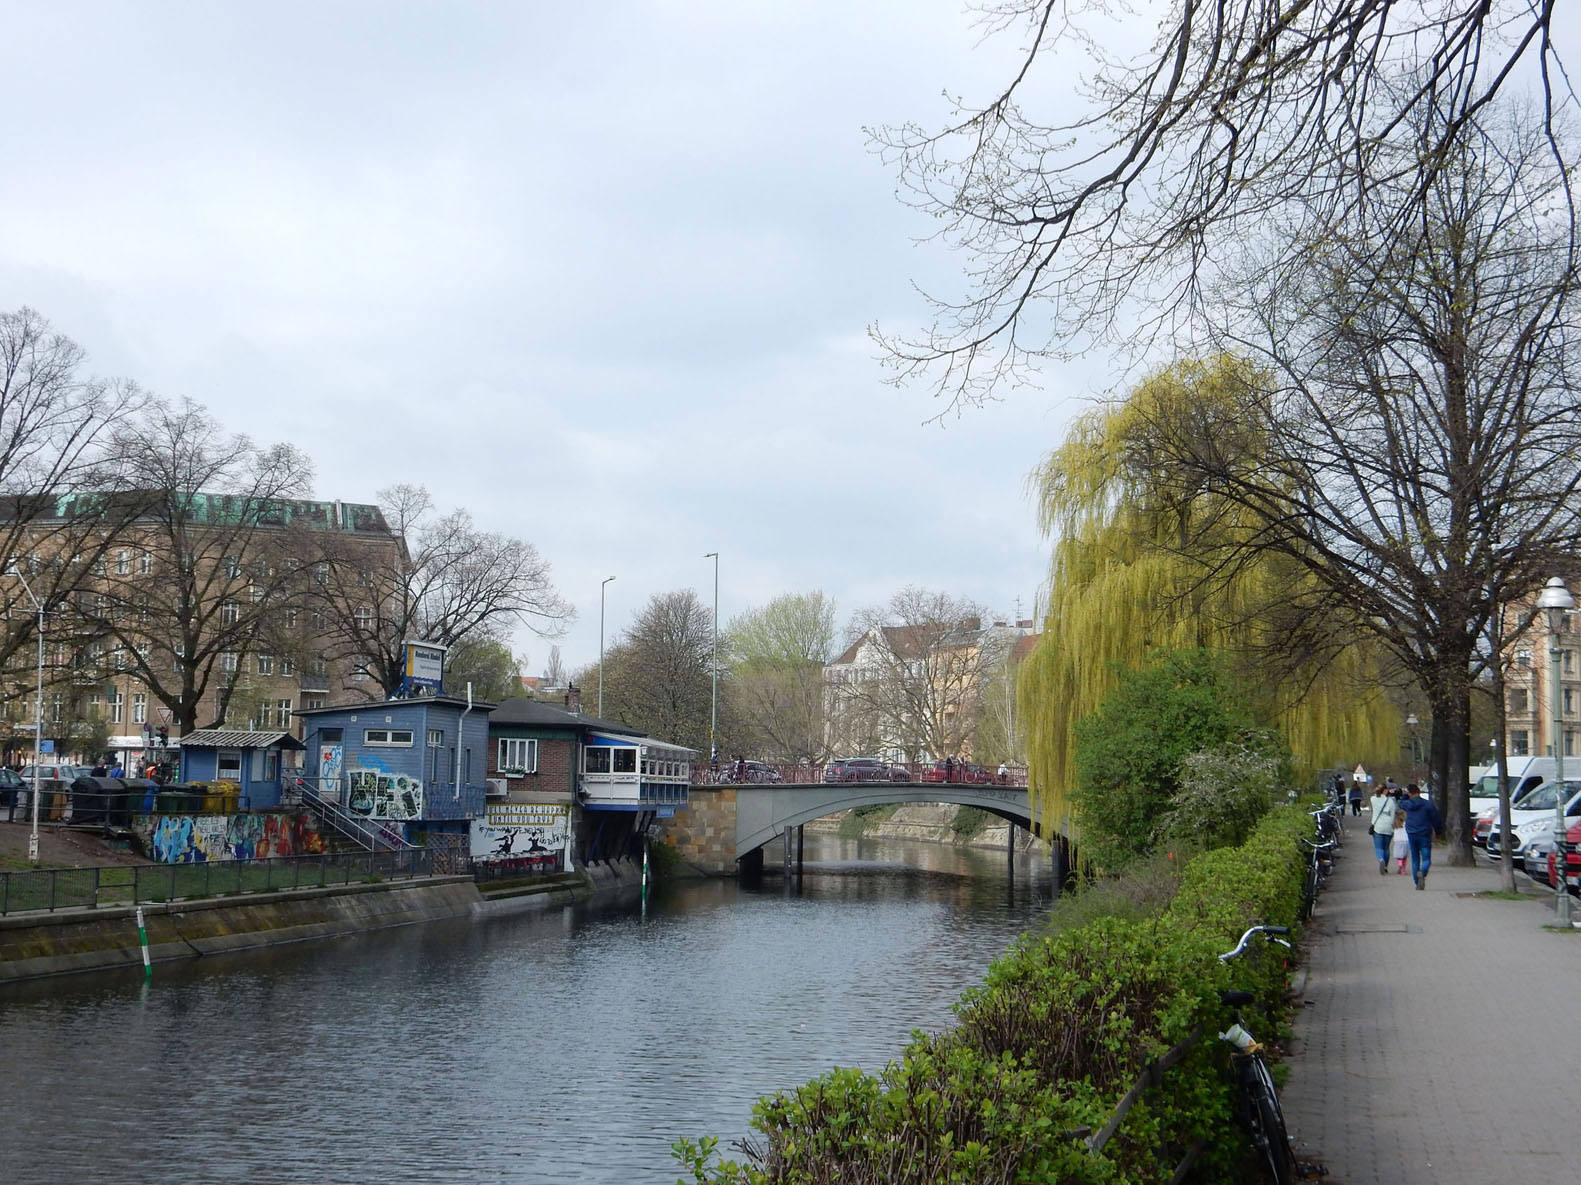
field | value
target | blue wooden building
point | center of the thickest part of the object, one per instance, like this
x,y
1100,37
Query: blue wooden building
x,y
416,764
256,761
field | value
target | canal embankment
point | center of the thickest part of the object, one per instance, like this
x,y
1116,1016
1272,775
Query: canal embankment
x,y
40,944
931,822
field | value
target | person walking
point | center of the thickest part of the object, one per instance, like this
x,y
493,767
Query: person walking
x,y
1382,827
1355,798
1004,773
1422,822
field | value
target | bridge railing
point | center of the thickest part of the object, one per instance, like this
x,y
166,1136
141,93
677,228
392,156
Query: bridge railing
x,y
803,773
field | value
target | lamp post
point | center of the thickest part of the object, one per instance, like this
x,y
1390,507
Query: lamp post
x,y
38,714
1411,722
713,713
607,579
1554,600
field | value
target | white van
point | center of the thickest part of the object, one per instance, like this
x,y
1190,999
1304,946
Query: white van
x,y
1526,774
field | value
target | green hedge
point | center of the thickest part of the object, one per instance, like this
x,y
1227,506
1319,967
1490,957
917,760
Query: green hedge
x,y
1055,1036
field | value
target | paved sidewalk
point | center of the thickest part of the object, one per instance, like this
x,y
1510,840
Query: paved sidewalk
x,y
1439,1042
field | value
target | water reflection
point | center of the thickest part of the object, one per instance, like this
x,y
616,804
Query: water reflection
x,y
567,1046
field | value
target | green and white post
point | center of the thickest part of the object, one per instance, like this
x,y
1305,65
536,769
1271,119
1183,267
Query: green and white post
x,y
142,937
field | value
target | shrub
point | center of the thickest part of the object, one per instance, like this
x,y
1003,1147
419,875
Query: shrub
x,y
1061,1027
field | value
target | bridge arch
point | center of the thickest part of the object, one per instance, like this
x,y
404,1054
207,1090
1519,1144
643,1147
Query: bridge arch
x,y
764,812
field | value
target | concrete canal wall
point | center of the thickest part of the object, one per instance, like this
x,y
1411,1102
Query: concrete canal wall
x,y
35,945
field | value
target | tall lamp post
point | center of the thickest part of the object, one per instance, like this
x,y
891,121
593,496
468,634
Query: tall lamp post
x,y
38,714
606,580
713,714
1554,600
1411,722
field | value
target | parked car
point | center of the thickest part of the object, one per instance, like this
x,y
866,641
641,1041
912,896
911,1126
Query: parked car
x,y
754,771
1572,860
1536,815
857,769
899,773
58,773
959,772
1526,774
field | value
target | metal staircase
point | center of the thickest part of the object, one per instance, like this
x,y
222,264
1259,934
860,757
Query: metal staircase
x,y
374,835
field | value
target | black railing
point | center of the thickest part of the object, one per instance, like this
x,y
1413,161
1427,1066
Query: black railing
x,y
86,888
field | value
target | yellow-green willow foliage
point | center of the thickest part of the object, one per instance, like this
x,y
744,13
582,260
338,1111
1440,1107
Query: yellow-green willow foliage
x,y
1139,566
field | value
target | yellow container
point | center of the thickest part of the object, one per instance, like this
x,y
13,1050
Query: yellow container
x,y
223,798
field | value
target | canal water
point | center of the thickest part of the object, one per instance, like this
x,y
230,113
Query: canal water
x,y
567,1046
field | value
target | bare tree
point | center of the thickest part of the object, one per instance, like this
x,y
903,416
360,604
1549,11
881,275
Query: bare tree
x,y
658,675
1074,227
449,582
912,676
1414,439
211,560
55,422
554,672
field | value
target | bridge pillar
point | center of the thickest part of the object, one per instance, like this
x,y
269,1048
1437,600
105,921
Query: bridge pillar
x,y
704,834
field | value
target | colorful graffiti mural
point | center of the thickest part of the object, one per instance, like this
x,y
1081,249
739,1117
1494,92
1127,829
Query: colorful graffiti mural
x,y
379,794
198,839
521,831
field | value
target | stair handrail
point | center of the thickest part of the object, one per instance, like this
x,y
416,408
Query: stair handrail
x,y
367,832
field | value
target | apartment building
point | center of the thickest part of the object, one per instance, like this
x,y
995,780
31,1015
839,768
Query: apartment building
x,y
167,612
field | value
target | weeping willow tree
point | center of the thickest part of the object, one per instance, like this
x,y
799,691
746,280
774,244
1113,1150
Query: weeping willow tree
x,y
1147,559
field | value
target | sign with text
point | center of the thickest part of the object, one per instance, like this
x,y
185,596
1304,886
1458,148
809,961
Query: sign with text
x,y
521,830
425,665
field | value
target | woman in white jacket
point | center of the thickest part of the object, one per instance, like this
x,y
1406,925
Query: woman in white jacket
x,y
1382,829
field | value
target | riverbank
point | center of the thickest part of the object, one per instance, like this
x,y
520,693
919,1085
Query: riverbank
x,y
38,945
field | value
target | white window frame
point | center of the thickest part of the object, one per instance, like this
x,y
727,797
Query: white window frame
x,y
139,708
387,738
517,755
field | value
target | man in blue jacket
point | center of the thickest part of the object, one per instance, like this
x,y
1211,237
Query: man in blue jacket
x,y
1422,820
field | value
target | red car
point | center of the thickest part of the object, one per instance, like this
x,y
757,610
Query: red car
x,y
959,772
1572,860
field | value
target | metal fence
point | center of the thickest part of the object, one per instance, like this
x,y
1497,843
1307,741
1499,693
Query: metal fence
x,y
79,888
771,772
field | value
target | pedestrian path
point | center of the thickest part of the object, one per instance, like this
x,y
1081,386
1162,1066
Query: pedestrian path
x,y
1439,1040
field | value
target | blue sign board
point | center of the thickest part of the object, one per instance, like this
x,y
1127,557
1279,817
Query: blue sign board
x,y
46,746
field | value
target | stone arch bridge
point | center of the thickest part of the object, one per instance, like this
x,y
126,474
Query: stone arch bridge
x,y
724,828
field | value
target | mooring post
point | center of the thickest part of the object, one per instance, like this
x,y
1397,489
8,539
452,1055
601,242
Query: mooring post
x,y
801,847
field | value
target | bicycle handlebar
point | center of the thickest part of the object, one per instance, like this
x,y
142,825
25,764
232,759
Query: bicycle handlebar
x,y
1268,931
1319,847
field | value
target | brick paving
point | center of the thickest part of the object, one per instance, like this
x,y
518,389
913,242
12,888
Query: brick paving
x,y
1438,1041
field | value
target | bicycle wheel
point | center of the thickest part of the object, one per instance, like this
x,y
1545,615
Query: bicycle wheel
x,y
1309,888
1269,1135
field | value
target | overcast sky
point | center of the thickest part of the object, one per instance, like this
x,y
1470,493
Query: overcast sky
x,y
599,273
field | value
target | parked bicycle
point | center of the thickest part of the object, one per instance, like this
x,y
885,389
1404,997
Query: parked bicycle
x,y
1320,863
1257,1102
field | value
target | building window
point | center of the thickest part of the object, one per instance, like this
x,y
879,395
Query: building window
x,y
266,664
320,573
595,759
227,660
57,708
118,658
139,708
1520,743
315,701
290,619
388,737
229,767
364,617
1570,744
232,568
518,756
317,665
1570,705
287,665
316,619
283,711
436,738
117,706
142,607
178,654
359,673
1519,700
230,612
1523,658
145,563
1567,658
123,563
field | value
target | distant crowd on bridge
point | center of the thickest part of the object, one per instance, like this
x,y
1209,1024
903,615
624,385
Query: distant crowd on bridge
x,y
741,771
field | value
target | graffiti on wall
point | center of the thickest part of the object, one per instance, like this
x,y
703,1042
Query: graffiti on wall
x,y
526,831
200,839
379,794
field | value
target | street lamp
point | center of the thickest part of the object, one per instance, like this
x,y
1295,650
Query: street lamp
x,y
607,579
1555,599
1411,722
713,715
38,714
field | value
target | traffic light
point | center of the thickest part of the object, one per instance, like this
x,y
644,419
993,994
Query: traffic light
x,y
164,736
